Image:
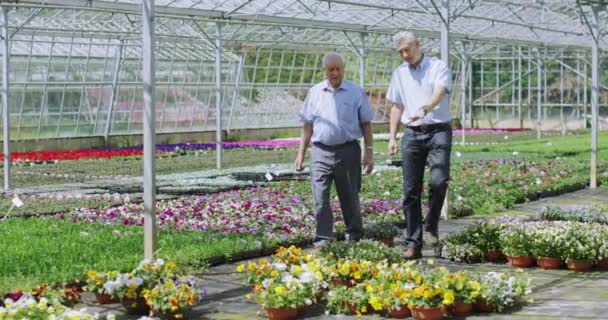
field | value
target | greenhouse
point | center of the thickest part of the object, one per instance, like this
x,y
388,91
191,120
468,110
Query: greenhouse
x,y
167,130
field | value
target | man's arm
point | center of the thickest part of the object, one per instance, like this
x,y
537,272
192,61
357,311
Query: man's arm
x,y
368,138
304,141
395,121
438,93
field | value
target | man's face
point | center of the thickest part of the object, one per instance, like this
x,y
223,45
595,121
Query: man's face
x,y
409,51
334,72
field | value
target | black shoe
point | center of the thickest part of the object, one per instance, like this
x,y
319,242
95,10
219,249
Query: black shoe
x,y
412,253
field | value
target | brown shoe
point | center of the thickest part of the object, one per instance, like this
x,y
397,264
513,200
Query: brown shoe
x,y
412,254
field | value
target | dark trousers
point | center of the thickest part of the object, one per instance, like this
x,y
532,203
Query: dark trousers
x,y
342,165
417,146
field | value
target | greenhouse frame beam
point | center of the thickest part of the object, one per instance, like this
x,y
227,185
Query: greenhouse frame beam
x,y
113,97
257,19
218,94
6,143
444,12
595,81
491,20
149,75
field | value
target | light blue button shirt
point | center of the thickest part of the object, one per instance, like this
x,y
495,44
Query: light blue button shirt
x,y
412,87
336,114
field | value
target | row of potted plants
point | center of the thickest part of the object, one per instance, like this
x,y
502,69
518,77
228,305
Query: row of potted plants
x,y
591,213
580,245
291,282
51,156
154,287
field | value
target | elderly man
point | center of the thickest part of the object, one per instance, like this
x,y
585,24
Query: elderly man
x,y
419,91
336,114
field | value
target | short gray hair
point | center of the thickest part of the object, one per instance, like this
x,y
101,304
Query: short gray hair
x,y
404,36
332,56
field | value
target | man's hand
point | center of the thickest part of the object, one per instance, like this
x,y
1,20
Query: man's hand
x,y
300,161
392,146
421,113
368,161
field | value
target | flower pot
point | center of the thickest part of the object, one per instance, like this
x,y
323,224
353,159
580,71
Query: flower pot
x,y
104,298
340,282
549,263
603,264
401,313
494,256
170,315
461,309
431,313
353,309
522,261
579,265
281,313
137,306
390,242
482,306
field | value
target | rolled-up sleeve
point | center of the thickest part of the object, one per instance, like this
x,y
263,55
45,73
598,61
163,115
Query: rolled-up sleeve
x,y
393,94
306,114
366,114
444,76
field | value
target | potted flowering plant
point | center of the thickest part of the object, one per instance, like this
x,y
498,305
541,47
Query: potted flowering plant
x,y
516,242
171,299
430,294
602,251
291,255
580,250
500,290
462,246
349,272
128,287
283,296
383,231
27,307
548,239
95,284
489,240
391,296
466,290
345,300
256,272
363,250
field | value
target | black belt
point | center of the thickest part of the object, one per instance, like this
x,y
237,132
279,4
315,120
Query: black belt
x,y
336,146
425,128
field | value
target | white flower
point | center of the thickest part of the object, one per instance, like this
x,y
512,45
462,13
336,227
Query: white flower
x,y
458,154
266,283
308,301
515,153
280,266
306,277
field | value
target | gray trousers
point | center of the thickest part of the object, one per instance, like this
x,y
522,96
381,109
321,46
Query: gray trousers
x,y
418,147
341,164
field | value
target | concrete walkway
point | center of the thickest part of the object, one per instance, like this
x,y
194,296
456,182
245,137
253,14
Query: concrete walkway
x,y
557,294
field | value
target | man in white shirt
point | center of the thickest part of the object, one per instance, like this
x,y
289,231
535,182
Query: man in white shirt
x,y
420,93
336,114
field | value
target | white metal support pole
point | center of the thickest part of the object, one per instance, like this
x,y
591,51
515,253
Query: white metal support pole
x,y
539,83
519,81
464,63
5,108
237,88
149,131
218,94
445,56
595,86
362,61
114,96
